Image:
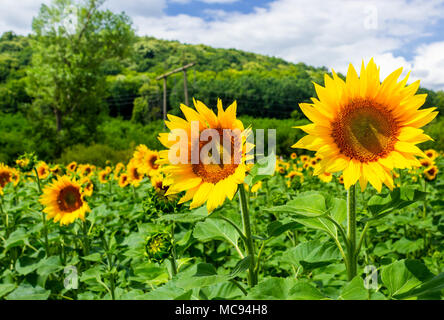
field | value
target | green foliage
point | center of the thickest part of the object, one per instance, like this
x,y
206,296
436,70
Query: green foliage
x,y
72,42
14,132
97,154
145,109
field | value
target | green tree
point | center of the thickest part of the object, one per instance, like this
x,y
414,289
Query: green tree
x,y
147,106
73,43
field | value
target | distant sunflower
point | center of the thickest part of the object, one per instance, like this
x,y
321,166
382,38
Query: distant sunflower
x,y
104,176
207,182
5,176
88,186
57,170
85,170
118,169
123,180
134,174
431,154
293,156
145,159
43,170
63,201
326,177
23,162
161,186
426,162
366,128
305,158
431,173
72,166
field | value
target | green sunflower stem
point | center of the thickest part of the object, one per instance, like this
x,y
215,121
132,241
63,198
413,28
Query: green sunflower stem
x,y
45,234
252,275
173,251
352,254
38,180
110,267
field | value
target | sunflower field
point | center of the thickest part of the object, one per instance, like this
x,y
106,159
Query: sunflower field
x,y
356,217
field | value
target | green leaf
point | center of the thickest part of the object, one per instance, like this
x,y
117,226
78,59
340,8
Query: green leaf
x,y
206,275
193,216
6,288
433,285
284,289
306,205
216,229
312,254
402,276
304,291
94,257
17,238
276,228
169,291
262,169
380,206
49,265
354,290
28,292
240,267
272,289
26,265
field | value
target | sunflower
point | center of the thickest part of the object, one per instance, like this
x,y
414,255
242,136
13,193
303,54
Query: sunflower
x,y
118,169
72,166
293,174
431,172
431,154
161,186
293,156
134,175
88,186
43,170
255,187
104,176
22,163
426,162
341,179
63,201
325,176
203,181
145,159
6,175
57,170
15,176
123,180
85,170
365,128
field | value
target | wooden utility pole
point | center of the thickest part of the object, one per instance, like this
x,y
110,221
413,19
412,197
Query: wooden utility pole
x,y
185,85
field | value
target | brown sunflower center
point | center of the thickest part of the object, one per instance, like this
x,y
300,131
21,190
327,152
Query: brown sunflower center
x,y
5,177
431,171
215,172
365,130
152,162
69,199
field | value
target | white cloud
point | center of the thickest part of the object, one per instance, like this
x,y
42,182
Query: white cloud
x,y
17,16
330,33
428,65
316,32
150,8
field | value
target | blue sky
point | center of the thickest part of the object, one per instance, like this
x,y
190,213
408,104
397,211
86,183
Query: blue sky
x,y
333,33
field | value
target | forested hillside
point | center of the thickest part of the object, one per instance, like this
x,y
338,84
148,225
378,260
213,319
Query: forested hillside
x,y
265,87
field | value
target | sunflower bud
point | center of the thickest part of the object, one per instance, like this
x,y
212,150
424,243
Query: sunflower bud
x,y
26,162
158,246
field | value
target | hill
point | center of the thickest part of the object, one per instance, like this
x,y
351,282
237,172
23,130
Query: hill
x,y
265,87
